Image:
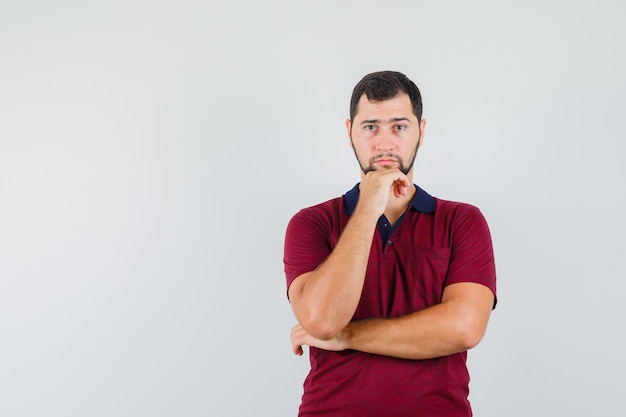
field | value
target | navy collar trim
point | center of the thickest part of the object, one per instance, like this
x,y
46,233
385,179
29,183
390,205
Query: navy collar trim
x,y
422,201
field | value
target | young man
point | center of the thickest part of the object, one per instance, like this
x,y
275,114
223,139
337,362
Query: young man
x,y
389,285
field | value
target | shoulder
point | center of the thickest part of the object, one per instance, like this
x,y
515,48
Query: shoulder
x,y
455,208
327,207
458,216
465,225
321,213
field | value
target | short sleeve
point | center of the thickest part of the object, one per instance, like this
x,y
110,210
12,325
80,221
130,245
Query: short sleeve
x,y
471,256
307,244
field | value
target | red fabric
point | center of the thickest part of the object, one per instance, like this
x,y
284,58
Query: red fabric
x,y
427,252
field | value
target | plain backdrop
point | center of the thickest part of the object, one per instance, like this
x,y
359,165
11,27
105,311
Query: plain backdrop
x,y
152,153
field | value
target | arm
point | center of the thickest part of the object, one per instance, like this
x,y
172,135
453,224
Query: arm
x,y
457,324
324,300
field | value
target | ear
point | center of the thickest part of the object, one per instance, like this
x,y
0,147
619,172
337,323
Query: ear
x,y
422,129
348,130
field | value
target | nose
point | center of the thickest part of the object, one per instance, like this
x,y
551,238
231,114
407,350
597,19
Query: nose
x,y
384,141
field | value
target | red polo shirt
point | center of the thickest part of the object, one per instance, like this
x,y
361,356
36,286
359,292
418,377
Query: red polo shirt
x,y
436,243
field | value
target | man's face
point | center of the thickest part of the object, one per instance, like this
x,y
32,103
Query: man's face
x,y
385,134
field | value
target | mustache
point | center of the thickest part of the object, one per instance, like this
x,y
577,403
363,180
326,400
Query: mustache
x,y
387,155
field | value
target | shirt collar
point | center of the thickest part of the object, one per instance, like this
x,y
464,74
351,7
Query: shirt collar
x,y
422,201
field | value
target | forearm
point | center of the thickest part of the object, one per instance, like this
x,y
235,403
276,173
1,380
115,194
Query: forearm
x,y
441,330
408,337
326,299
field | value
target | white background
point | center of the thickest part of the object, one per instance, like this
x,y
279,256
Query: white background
x,y
152,153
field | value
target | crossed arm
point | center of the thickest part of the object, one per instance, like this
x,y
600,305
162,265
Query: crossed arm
x,y
324,300
455,325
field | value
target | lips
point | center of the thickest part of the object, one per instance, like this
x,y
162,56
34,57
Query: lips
x,y
387,158
385,161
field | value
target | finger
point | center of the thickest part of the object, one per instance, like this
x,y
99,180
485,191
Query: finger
x,y
297,338
400,188
296,344
297,350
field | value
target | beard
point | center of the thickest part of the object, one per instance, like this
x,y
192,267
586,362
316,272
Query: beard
x,y
402,167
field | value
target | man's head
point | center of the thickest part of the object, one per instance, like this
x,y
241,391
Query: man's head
x,y
383,85
385,126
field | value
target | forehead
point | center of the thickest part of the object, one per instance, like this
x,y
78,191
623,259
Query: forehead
x,y
397,106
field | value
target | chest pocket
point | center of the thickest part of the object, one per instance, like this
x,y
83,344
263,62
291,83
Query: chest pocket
x,y
430,267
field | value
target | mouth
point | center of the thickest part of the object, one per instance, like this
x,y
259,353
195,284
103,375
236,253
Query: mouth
x,y
384,160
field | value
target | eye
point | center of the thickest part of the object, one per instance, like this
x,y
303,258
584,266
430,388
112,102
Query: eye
x,y
400,127
369,127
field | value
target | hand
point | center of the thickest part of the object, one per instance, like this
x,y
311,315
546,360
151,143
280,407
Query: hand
x,y
300,337
376,186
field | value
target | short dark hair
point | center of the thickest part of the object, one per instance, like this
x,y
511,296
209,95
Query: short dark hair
x,y
385,85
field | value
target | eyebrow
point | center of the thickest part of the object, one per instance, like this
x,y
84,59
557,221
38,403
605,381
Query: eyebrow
x,y
389,121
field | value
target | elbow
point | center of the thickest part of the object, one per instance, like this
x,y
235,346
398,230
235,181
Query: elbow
x,y
470,332
324,333
470,340
321,328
